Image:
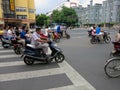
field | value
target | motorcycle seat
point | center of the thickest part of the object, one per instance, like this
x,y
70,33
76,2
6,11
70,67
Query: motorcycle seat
x,y
32,46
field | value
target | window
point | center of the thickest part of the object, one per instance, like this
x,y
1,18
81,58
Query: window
x,y
31,10
8,13
21,16
21,9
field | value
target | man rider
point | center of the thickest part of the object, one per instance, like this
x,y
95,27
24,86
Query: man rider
x,y
38,41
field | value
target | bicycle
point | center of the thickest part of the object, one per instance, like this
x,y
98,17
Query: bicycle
x,y
112,67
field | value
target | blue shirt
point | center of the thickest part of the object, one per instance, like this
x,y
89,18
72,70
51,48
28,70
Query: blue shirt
x,y
22,34
98,30
58,29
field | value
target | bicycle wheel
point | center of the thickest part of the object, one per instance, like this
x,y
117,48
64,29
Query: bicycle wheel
x,y
112,67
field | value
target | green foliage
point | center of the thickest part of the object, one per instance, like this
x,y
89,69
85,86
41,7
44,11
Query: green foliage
x,y
66,15
42,20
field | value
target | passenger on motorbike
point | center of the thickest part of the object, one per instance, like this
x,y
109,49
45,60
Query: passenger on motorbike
x,y
38,41
93,32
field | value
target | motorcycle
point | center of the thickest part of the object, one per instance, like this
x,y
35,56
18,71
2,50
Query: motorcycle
x,y
66,35
54,37
17,46
89,33
116,51
96,39
32,54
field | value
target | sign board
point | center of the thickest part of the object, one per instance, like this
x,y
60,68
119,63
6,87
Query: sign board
x,y
12,5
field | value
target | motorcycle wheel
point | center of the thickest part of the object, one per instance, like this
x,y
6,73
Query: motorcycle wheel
x,y
28,60
107,39
57,40
17,50
68,36
4,46
59,58
92,41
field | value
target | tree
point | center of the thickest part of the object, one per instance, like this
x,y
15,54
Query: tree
x,y
66,15
42,20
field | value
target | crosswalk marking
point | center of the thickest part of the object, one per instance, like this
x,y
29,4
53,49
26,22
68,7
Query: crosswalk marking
x,y
29,74
5,51
74,76
13,63
70,87
79,83
9,56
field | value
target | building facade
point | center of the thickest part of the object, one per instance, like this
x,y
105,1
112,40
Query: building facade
x,y
67,3
18,12
108,12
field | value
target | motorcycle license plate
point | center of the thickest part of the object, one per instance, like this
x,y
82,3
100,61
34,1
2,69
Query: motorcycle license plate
x,y
6,45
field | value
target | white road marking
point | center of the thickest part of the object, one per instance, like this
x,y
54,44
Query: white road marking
x,y
5,51
79,83
70,87
75,77
9,56
77,80
29,74
13,63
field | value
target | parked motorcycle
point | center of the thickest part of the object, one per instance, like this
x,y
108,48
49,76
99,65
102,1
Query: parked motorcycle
x,y
31,54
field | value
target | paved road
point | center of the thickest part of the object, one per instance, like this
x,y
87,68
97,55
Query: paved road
x,y
15,75
82,69
89,60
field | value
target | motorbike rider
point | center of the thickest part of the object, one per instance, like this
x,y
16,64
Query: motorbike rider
x,y
10,33
38,41
99,32
22,38
58,30
117,37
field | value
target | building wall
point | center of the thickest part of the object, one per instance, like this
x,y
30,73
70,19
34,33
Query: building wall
x,y
31,9
107,12
1,13
21,3
24,12
0,9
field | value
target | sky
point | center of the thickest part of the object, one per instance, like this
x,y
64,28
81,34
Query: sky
x,y
44,6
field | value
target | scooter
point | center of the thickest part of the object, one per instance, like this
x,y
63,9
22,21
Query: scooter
x,y
32,54
5,42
